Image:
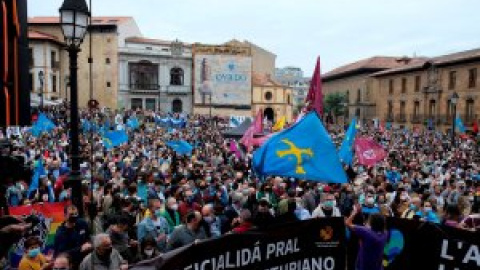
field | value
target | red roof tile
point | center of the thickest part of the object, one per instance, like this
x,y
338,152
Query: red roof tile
x,y
43,36
373,63
259,79
96,20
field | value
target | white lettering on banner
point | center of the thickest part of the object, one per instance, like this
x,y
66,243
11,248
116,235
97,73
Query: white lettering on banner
x,y
282,248
444,254
472,255
319,263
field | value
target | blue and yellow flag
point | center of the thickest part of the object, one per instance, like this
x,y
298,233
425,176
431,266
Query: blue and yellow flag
x,y
114,138
346,150
303,151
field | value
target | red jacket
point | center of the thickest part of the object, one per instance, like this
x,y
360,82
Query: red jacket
x,y
244,227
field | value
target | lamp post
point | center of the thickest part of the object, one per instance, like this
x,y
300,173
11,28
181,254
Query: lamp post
x,y
74,20
41,78
454,100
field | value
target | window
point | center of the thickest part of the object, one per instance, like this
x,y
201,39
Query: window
x,y
136,103
176,76
107,61
390,86
32,62
359,96
417,83
449,109
268,95
30,82
390,109
150,103
402,109
109,84
432,108
452,80
177,106
404,85
416,108
143,76
472,78
54,83
53,56
470,110
288,99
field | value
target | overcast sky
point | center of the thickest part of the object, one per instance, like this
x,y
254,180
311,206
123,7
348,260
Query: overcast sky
x,y
340,31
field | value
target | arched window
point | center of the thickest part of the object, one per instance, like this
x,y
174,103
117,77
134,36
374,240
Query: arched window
x,y
176,76
288,100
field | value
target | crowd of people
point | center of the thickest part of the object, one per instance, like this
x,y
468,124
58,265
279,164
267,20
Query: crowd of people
x,y
143,199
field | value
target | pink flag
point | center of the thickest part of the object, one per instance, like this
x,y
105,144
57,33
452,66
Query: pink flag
x,y
315,95
260,141
258,123
234,149
247,138
368,151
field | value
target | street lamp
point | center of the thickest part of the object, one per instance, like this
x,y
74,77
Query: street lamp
x,y
41,78
454,100
74,20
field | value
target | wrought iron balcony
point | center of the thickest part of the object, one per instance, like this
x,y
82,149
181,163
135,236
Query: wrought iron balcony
x,y
401,118
389,117
143,86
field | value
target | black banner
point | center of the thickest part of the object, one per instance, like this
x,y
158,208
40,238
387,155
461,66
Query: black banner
x,y
314,244
321,244
427,246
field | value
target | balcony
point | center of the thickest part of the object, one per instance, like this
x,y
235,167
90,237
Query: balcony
x,y
177,89
416,118
56,65
431,89
401,118
144,87
469,119
389,117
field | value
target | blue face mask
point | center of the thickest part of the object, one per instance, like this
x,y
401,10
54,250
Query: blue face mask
x,y
158,213
33,252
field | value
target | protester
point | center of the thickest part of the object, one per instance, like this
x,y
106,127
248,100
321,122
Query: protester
x,y
62,262
33,259
373,238
187,233
104,256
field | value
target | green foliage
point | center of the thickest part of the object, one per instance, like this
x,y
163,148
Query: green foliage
x,y
334,103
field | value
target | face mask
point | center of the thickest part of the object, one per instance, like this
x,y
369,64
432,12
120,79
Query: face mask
x,y
45,197
148,252
96,186
208,219
412,206
427,209
33,252
158,213
403,197
299,206
328,204
174,207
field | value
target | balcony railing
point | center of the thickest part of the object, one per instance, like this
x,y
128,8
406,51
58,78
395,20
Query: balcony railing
x,y
401,118
389,117
177,89
144,86
416,118
56,64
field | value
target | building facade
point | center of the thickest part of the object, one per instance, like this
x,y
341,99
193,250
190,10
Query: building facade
x,y
271,97
155,75
108,35
47,76
421,92
354,82
294,78
263,61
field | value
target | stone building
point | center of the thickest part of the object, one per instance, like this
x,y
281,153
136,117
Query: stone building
x,y
47,78
354,81
420,92
273,98
155,75
108,34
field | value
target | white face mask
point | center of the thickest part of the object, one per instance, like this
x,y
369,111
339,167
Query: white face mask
x,y
148,252
174,207
370,200
427,209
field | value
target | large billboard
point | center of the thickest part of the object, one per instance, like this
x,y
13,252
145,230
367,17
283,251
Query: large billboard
x,y
227,78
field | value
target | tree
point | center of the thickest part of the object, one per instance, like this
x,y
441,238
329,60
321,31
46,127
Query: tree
x,y
334,104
